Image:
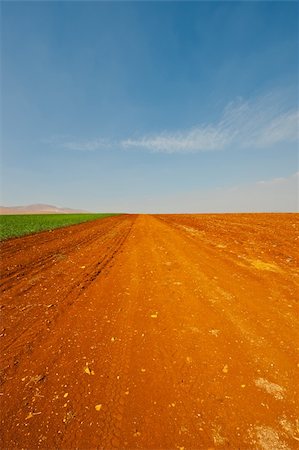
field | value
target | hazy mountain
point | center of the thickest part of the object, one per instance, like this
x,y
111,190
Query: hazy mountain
x,y
38,209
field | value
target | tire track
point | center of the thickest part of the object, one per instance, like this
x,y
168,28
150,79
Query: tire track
x,y
42,263
33,324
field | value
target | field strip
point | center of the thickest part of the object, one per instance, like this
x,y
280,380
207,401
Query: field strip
x,y
12,226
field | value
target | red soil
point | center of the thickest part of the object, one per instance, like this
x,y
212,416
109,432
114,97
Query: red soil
x,y
170,332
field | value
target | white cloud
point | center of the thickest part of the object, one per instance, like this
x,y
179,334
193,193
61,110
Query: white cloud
x,y
261,123
281,129
205,137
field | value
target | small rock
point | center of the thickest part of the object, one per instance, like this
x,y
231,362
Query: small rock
x,y
225,369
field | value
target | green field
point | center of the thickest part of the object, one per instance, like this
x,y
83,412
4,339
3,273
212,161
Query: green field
x,y
20,225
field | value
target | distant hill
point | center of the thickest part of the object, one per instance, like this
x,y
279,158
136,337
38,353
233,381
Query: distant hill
x,y
38,209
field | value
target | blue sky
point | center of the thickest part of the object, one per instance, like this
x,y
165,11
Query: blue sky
x,y
150,106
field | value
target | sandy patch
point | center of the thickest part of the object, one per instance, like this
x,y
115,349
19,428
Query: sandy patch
x,y
267,438
271,388
261,265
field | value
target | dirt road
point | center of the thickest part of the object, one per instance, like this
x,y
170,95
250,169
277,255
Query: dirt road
x,y
154,332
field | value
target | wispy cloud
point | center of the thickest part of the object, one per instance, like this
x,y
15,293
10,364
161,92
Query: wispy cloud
x,y
280,180
263,122
202,138
259,123
281,129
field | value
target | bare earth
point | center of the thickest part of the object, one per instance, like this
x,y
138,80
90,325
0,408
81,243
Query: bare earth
x,y
160,332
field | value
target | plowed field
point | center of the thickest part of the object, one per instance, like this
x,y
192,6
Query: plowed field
x,y
154,332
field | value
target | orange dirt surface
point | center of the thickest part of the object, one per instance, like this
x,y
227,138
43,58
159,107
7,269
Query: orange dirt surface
x,y
153,332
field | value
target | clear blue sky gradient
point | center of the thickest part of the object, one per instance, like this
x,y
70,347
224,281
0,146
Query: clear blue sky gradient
x,y
90,90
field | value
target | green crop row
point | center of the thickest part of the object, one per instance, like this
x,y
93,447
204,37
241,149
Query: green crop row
x,y
20,225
